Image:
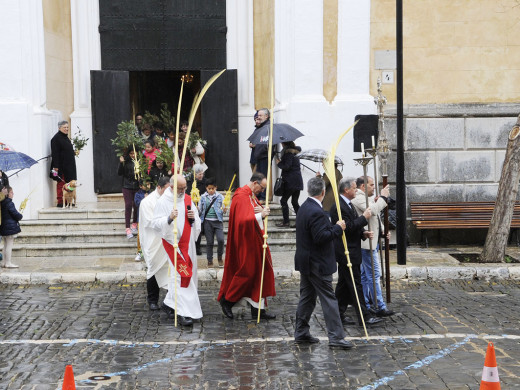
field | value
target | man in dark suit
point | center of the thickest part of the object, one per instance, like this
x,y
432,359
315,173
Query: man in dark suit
x,y
354,233
314,258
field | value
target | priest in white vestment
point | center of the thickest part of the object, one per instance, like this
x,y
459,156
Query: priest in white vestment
x,y
152,246
188,226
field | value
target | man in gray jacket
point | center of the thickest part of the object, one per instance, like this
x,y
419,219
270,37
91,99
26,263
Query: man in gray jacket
x,y
376,205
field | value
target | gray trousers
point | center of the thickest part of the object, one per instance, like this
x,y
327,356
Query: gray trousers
x,y
212,228
311,286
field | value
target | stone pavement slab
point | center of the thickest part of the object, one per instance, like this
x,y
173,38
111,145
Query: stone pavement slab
x,y
437,340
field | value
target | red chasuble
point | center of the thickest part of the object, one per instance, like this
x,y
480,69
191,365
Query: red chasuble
x,y
184,264
244,253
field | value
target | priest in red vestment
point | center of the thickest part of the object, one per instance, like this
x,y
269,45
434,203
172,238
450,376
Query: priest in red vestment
x,y
244,252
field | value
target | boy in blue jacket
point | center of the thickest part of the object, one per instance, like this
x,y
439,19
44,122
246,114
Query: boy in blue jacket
x,y
211,211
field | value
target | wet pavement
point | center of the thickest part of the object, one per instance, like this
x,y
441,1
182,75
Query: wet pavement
x,y
437,340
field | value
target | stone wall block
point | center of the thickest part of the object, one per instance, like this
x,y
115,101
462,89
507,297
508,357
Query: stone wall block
x,y
481,192
500,156
438,193
488,133
420,167
466,166
391,132
434,133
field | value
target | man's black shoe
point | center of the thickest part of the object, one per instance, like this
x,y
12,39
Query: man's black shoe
x,y
168,310
226,308
184,321
370,321
154,306
307,340
347,320
59,205
343,344
384,313
263,314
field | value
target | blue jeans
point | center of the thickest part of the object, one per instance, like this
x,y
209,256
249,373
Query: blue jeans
x,y
366,278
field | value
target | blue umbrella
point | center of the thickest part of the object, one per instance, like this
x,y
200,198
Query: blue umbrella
x,y
11,160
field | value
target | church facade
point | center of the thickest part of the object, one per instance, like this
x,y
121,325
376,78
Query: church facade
x,y
461,79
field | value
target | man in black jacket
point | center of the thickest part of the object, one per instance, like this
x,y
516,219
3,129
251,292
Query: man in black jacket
x,y
314,258
354,233
63,159
261,150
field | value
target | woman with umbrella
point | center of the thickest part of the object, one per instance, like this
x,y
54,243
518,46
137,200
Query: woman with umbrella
x,y
4,180
292,180
318,155
282,132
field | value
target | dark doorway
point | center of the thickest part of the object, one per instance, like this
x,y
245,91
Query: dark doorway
x,y
110,105
148,90
219,114
118,95
154,43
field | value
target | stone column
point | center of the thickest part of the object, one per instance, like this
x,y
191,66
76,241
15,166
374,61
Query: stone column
x,y
354,51
86,55
239,20
353,96
26,121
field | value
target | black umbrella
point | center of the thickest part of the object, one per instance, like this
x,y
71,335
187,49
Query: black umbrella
x,y
282,132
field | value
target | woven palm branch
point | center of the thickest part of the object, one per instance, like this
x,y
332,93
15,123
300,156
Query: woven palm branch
x,y
126,137
149,118
167,119
194,108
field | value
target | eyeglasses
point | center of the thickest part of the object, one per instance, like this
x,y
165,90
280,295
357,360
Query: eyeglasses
x,y
263,188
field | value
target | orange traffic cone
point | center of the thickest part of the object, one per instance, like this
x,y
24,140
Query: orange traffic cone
x,y
68,379
490,379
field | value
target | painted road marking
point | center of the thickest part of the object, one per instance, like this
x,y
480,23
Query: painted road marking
x,y
156,344
418,364
208,345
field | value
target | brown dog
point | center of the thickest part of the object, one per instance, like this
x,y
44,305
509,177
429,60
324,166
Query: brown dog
x,y
69,194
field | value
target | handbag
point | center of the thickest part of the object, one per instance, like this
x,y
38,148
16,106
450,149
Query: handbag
x,y
278,187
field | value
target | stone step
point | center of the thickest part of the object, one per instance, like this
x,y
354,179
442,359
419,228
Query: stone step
x,y
118,197
72,225
107,210
114,236
115,249
110,224
80,213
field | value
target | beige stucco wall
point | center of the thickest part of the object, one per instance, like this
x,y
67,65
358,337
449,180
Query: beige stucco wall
x,y
330,49
263,36
454,51
58,56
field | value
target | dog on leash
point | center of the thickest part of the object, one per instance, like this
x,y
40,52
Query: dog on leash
x,y
69,194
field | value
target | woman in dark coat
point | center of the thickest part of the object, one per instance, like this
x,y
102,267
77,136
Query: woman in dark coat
x,y
63,159
4,180
130,187
9,227
292,180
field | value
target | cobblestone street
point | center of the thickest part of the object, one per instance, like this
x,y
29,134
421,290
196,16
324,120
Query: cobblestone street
x,y
437,340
